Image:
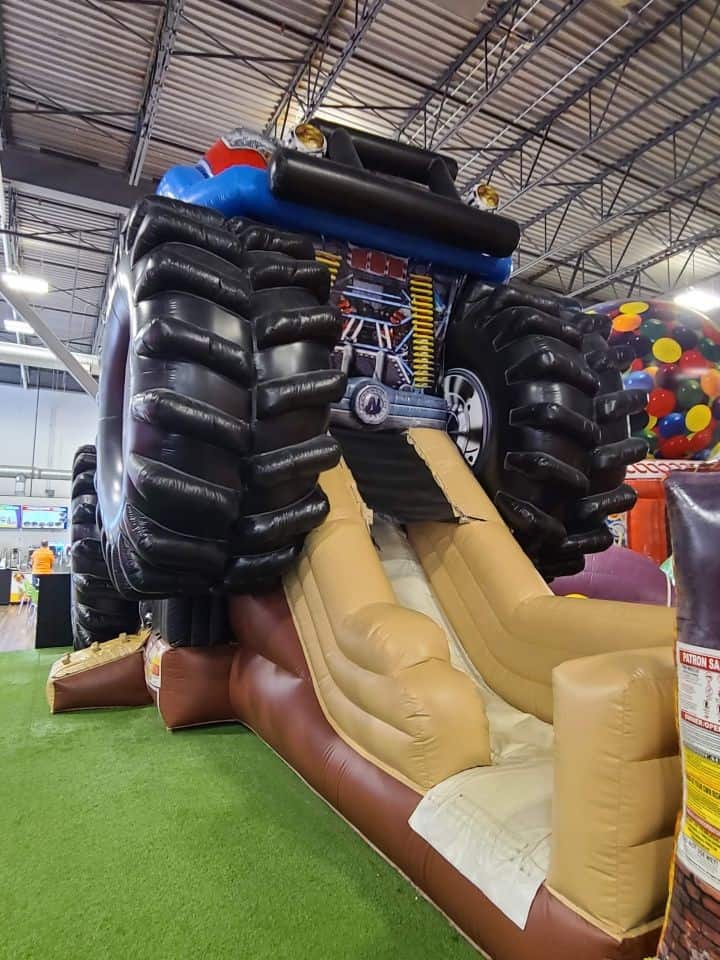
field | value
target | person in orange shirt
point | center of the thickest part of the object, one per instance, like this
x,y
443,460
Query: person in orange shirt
x,y
42,561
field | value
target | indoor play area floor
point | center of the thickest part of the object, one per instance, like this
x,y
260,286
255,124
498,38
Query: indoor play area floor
x,y
123,841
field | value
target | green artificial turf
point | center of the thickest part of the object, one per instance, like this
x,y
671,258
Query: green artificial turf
x,y
120,840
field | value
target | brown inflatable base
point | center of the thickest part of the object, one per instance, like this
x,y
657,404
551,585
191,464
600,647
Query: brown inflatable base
x,y
272,693
195,688
105,675
265,684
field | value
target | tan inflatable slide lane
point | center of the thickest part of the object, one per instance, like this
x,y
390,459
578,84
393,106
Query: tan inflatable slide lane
x,y
381,673
603,671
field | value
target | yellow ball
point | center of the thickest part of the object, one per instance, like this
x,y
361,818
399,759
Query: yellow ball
x,y
667,350
697,418
634,306
652,421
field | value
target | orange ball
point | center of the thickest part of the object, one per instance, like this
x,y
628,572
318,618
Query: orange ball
x,y
710,383
626,322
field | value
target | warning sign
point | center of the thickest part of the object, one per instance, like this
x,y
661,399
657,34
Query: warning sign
x,y
699,704
154,650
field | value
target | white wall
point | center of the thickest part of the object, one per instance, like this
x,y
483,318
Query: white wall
x,y
41,428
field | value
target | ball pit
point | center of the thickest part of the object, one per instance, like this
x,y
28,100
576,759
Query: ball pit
x,y
677,360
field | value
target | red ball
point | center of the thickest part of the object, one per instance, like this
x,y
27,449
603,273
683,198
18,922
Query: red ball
x,y
693,363
711,332
702,439
636,365
675,448
661,403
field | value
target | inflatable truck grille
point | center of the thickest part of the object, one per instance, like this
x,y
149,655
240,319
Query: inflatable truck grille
x,y
339,458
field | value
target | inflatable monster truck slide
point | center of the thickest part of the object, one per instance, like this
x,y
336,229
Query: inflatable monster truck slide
x,y
339,460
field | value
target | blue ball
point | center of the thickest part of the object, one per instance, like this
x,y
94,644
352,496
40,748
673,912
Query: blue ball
x,y
702,454
639,380
672,425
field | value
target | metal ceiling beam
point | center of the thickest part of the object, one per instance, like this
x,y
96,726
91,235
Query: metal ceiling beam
x,y
68,361
364,19
645,220
318,42
584,90
60,178
610,213
667,253
684,72
54,243
443,82
158,68
549,30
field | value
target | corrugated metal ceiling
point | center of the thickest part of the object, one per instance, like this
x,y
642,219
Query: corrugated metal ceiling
x,y
77,72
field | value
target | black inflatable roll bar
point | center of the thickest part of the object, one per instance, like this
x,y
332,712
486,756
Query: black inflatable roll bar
x,y
391,157
371,195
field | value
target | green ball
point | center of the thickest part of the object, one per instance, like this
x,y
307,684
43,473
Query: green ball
x,y
653,329
651,439
689,393
709,349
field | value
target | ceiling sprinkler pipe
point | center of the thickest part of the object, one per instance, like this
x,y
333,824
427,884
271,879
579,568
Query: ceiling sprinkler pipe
x,y
34,473
23,354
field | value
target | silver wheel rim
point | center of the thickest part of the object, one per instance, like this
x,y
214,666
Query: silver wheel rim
x,y
469,413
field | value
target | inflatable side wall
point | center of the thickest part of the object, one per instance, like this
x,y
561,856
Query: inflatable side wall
x,y
692,926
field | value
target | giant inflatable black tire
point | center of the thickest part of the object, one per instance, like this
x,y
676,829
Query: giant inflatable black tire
x,y
98,612
616,449
214,400
526,386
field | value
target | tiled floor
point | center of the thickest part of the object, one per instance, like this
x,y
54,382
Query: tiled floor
x,y
17,629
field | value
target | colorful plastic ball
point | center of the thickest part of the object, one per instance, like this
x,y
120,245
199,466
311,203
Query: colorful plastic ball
x,y
697,418
679,349
701,454
661,403
653,329
667,350
672,425
651,438
710,383
715,452
641,345
689,393
702,440
626,322
693,363
710,350
667,376
686,337
634,306
711,331
639,381
674,448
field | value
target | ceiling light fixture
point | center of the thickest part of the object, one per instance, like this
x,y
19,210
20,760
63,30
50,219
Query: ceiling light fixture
x,y
25,282
702,300
17,326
